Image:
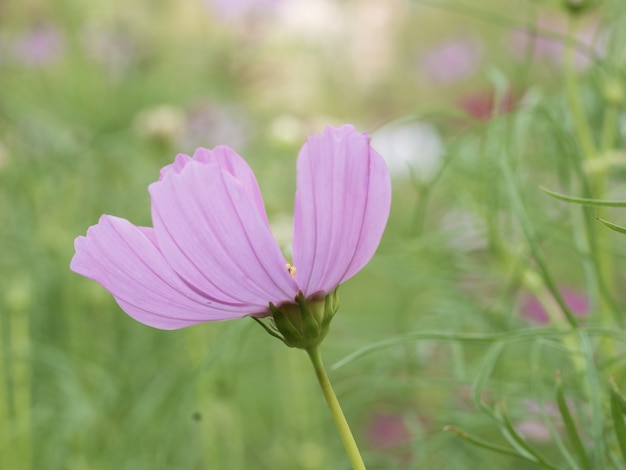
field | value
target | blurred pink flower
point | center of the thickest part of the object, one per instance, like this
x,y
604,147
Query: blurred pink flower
x,y
577,301
552,48
387,430
534,430
451,61
112,48
211,254
533,427
481,105
534,407
40,45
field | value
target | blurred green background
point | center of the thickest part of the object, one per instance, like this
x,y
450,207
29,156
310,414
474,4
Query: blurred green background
x,y
473,104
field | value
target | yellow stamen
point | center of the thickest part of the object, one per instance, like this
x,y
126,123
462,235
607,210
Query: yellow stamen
x,y
291,269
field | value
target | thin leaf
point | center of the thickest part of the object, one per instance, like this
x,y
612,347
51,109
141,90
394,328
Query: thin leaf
x,y
533,244
519,443
527,334
582,200
558,441
572,432
618,405
485,444
612,226
595,400
483,376
537,360
609,361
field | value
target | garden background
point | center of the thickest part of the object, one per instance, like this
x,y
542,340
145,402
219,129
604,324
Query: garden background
x,y
490,306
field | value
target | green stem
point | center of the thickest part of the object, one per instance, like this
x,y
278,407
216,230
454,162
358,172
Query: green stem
x,y
596,167
335,410
579,120
609,127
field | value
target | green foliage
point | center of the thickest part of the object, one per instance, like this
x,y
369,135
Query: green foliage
x,y
437,333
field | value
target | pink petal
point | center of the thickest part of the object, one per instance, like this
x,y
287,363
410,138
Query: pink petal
x,y
228,159
343,199
176,166
125,260
210,229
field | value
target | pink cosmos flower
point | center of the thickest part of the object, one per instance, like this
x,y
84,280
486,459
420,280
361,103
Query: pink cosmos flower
x,y
211,255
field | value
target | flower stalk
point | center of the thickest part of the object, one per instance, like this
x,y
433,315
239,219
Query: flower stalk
x,y
335,410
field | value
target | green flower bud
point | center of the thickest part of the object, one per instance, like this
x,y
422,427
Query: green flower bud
x,y
304,323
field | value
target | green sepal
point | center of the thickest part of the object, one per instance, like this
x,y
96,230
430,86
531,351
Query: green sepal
x,y
304,323
283,324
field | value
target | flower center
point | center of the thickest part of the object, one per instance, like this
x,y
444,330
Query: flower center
x,y
291,269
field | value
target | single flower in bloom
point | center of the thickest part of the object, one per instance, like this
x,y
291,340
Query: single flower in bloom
x,y
210,254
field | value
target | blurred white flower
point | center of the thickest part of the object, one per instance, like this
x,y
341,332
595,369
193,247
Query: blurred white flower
x,y
311,21
241,10
328,40
287,129
410,146
162,122
371,27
